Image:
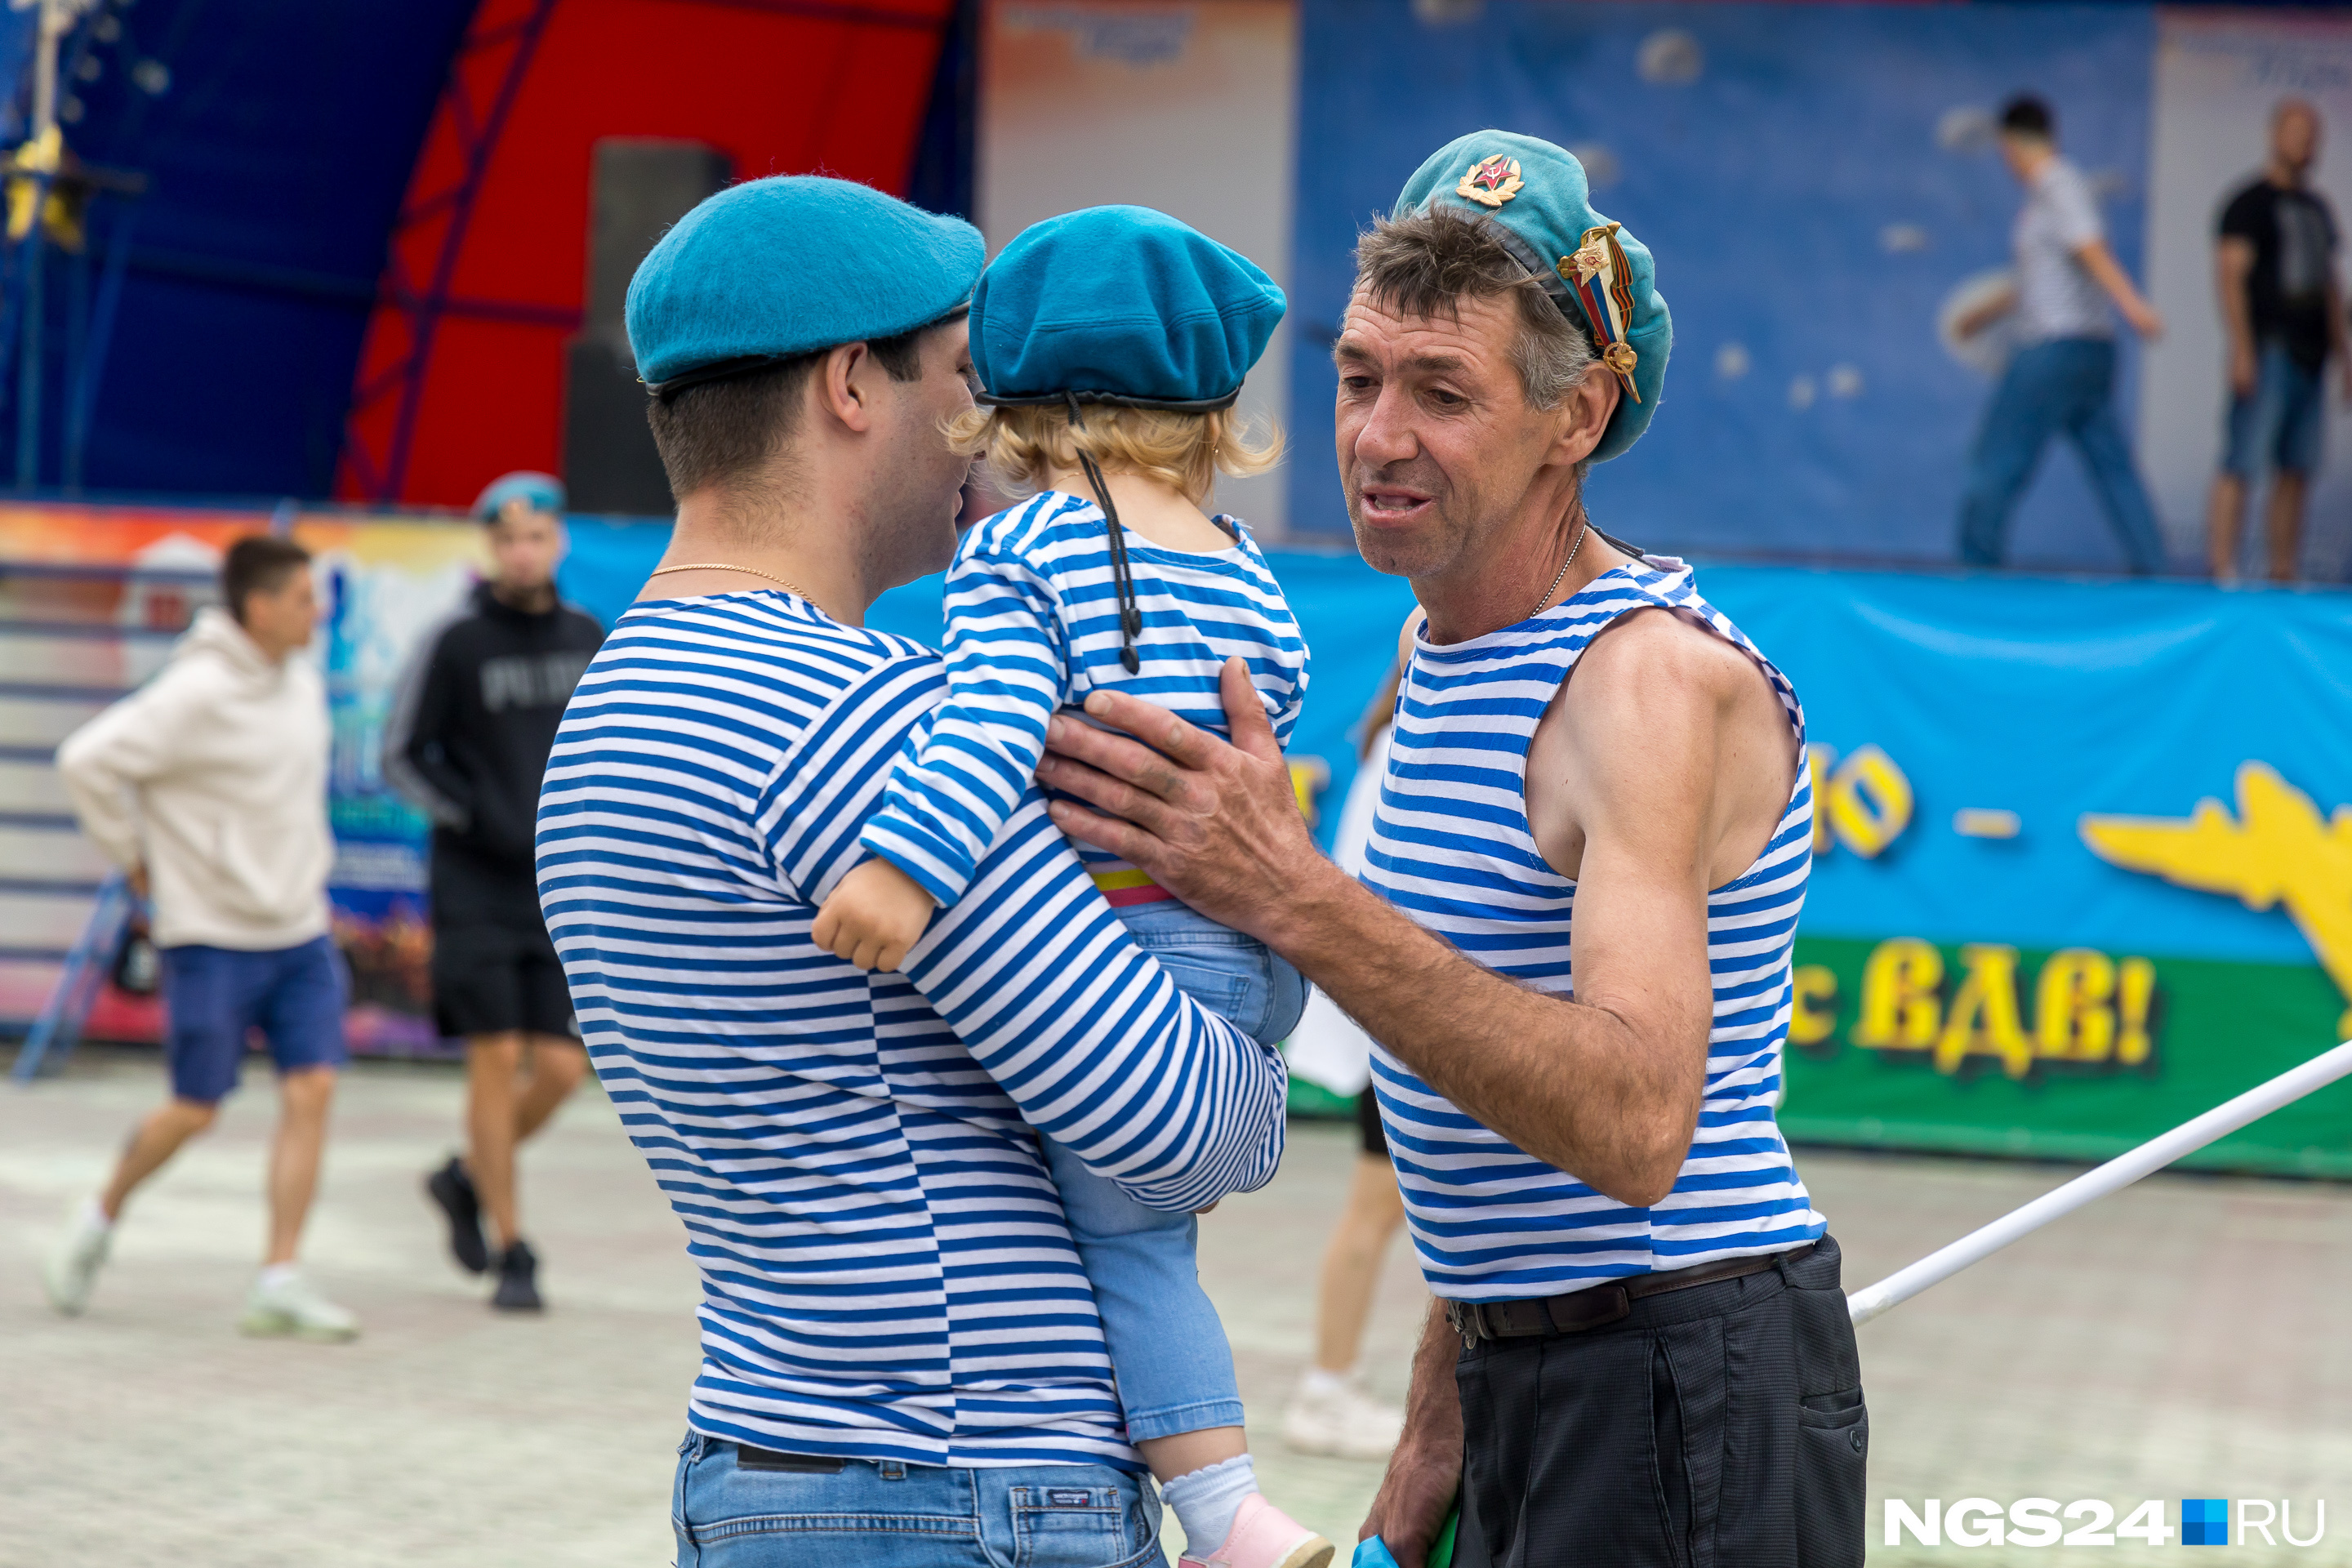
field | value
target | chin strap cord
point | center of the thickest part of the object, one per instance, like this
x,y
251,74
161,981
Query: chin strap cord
x,y
1131,616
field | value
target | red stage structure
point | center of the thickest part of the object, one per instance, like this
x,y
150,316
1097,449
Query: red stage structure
x,y
461,377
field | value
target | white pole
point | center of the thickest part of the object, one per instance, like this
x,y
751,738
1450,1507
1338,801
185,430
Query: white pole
x,y
2117,1173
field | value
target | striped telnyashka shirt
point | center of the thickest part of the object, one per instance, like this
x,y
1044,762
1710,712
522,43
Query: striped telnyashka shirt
x,y
1033,627
1450,847
886,1273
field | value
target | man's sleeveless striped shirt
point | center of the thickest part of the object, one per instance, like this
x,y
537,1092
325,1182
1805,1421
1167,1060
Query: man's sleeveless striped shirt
x,y
1450,847
1033,627
886,1273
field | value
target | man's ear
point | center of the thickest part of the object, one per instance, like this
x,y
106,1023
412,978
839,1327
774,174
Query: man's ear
x,y
844,386
1589,407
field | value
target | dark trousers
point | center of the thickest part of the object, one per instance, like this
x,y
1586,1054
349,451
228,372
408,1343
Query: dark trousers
x,y
1720,1424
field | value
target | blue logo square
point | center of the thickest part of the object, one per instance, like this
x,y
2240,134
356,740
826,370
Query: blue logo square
x,y
2205,1522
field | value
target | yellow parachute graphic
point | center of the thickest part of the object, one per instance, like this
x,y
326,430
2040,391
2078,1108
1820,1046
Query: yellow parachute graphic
x,y
2279,851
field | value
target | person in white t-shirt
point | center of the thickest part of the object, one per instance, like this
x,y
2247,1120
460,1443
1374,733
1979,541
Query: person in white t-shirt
x,y
2062,377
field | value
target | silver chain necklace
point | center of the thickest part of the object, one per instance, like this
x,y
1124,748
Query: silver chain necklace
x,y
1562,575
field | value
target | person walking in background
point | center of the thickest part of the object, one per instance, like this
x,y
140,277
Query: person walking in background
x,y
2062,377
1331,1412
2283,312
208,786
467,743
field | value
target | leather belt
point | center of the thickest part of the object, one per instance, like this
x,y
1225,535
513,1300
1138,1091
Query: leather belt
x,y
1598,1306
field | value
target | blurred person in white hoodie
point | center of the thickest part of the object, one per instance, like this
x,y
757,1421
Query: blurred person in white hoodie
x,y
208,786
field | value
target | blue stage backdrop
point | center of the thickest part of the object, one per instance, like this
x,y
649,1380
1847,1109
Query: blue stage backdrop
x,y
1818,182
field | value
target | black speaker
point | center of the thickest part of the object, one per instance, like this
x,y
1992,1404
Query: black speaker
x,y
642,187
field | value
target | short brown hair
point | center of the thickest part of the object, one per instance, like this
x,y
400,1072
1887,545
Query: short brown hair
x,y
1427,263
258,563
1021,446
722,431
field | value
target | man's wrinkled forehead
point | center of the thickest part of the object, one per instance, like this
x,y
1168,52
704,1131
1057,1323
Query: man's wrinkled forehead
x,y
1376,331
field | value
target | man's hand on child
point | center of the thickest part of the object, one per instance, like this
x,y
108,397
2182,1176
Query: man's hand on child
x,y
875,915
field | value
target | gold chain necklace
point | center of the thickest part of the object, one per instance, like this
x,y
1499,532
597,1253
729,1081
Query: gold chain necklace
x,y
747,571
1562,576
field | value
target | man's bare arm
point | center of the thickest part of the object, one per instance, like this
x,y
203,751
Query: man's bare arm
x,y
2108,274
2233,260
1606,1091
1425,1473
1987,311
2335,326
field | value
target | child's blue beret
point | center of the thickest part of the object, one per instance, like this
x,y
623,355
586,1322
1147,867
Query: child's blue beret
x,y
1534,199
1119,305
776,268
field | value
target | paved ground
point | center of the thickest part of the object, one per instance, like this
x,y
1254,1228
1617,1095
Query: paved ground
x,y
2187,1339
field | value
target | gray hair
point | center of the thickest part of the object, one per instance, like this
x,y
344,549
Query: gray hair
x,y
1426,263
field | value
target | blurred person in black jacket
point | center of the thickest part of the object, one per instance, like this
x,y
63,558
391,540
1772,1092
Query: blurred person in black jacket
x,y
467,743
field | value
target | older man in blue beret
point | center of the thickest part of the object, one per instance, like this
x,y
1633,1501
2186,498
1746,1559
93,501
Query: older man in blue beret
x,y
1572,944
902,1362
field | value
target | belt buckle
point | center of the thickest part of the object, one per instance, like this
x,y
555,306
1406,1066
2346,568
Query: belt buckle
x,y
1463,1316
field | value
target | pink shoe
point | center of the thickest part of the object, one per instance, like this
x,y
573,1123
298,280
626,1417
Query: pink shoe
x,y
1265,1537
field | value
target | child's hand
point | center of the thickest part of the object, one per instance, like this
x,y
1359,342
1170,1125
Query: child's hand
x,y
876,914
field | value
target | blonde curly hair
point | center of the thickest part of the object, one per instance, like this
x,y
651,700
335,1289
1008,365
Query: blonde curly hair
x,y
1021,447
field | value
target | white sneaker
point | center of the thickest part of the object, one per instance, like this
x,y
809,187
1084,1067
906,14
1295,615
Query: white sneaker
x,y
288,1306
72,1270
1333,1414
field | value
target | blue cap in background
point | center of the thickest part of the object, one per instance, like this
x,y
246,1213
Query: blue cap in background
x,y
543,491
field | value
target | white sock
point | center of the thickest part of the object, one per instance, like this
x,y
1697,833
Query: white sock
x,y
274,1275
1320,1384
1207,1499
93,1218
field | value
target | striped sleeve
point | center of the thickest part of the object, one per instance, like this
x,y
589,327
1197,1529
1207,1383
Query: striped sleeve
x,y
1008,671
1085,1034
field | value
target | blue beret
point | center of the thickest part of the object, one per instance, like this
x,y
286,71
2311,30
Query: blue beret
x,y
543,491
1120,300
785,266
1534,197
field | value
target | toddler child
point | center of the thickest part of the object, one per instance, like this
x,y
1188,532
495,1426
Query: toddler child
x,y
1111,342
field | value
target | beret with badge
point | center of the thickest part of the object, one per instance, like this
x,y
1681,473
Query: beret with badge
x,y
771,270
1533,197
541,492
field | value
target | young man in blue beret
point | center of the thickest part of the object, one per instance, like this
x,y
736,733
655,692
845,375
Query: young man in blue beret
x,y
897,1326
1640,1351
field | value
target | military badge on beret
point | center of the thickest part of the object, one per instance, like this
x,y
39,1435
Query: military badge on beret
x,y
1491,182
1600,279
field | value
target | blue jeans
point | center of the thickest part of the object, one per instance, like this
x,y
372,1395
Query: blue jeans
x,y
730,1513
1167,1346
212,995
2281,425
2066,385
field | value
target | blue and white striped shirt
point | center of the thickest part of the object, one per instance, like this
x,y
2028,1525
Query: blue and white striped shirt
x,y
1450,847
886,1271
1033,627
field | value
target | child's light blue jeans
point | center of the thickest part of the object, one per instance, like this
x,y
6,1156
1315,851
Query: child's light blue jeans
x,y
1175,1370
